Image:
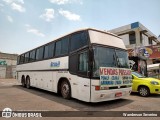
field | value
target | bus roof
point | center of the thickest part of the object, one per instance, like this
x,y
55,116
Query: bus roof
x,y
85,29
79,30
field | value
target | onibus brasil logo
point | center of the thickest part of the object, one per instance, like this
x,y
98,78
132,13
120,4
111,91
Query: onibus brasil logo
x,y
7,112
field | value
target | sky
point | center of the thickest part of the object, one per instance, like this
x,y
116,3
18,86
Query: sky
x,y
26,24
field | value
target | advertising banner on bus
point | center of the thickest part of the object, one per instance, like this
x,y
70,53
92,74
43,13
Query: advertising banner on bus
x,y
115,76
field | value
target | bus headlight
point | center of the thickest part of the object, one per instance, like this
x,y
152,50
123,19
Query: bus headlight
x,y
154,83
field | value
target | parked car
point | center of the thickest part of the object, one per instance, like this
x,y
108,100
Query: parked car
x,y
144,85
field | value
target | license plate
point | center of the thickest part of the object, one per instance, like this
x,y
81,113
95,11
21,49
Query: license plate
x,y
119,94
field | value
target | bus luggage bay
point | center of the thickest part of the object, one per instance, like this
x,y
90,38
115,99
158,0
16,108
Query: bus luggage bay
x,y
89,65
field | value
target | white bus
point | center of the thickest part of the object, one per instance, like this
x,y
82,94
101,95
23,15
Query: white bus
x,y
88,64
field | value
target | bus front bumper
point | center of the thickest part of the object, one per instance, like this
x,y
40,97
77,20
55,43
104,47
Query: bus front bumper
x,y
106,95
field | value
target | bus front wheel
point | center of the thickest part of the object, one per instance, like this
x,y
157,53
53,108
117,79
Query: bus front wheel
x,y
65,89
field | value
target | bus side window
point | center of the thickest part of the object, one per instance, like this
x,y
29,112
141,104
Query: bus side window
x,y
78,63
83,63
22,59
39,53
73,61
78,41
46,52
51,50
62,47
32,56
26,58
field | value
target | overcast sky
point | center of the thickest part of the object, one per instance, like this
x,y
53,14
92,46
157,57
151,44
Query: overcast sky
x,y
26,24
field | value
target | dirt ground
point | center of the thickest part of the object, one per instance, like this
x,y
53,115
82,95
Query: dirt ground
x,y
14,96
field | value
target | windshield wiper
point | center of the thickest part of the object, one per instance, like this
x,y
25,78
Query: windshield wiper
x,y
115,60
118,63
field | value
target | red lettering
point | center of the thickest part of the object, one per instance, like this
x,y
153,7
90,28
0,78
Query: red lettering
x,y
116,72
124,72
110,71
120,72
105,71
101,71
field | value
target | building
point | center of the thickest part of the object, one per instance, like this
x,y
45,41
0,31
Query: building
x,y
8,65
143,46
136,35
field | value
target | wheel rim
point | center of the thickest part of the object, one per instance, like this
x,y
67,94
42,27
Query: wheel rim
x,y
65,89
143,91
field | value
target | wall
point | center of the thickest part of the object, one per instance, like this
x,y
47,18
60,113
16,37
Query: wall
x,y
125,39
7,62
7,71
8,65
145,41
14,71
154,43
2,72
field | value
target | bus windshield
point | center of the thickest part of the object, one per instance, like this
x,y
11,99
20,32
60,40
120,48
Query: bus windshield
x,y
109,57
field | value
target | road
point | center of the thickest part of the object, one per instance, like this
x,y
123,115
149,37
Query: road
x,y
14,96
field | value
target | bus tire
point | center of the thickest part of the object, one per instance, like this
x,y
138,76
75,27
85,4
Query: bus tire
x,y
23,81
65,89
144,91
28,82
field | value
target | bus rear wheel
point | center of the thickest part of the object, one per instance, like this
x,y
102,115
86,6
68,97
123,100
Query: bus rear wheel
x,y
28,83
65,89
23,81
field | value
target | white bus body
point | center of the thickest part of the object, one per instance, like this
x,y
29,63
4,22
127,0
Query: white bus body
x,y
49,74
